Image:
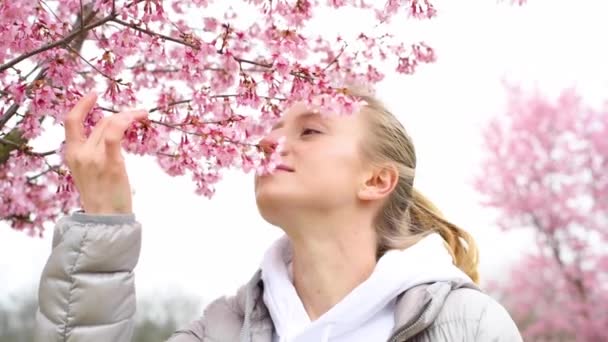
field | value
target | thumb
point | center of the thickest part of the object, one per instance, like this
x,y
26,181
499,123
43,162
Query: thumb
x,y
115,130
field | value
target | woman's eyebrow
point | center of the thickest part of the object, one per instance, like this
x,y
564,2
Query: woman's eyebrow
x,y
302,117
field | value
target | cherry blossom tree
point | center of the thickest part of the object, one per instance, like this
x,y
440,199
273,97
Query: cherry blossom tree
x,y
213,84
545,170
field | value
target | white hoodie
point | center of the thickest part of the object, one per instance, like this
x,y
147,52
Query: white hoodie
x,y
367,312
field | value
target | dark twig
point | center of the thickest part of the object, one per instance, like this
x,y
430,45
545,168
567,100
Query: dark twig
x,y
93,66
53,168
82,12
27,149
50,10
196,47
152,33
170,104
60,42
335,59
12,110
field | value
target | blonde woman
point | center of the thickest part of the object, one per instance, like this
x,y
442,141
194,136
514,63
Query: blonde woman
x,y
364,257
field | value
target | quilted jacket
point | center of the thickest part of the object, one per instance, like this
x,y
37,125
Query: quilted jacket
x,y
87,294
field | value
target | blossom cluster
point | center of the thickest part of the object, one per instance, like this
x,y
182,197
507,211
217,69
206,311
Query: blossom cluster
x,y
213,85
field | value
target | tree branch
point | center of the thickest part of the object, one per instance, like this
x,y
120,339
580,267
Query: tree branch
x,y
8,114
196,47
223,139
154,34
82,12
335,59
170,70
76,38
167,154
554,245
93,66
60,42
54,168
220,122
31,72
50,10
170,105
12,110
26,149
190,100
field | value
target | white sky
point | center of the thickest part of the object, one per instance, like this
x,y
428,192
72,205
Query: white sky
x,y
208,248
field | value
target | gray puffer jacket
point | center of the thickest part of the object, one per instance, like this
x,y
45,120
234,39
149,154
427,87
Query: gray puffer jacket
x,y
87,293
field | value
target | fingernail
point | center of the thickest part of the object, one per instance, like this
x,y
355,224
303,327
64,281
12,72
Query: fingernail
x,y
140,114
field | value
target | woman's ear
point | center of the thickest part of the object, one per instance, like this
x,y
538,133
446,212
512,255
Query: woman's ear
x,y
378,183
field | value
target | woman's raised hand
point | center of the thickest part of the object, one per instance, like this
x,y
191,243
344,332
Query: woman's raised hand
x,y
96,162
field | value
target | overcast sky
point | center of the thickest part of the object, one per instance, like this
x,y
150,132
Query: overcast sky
x,y
207,248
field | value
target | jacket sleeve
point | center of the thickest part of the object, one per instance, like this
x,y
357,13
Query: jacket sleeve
x,y
470,315
87,290
194,332
495,324
220,322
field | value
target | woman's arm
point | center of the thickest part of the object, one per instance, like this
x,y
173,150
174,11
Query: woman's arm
x,y
87,290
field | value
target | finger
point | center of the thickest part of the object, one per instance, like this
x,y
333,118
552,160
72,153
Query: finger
x,y
74,130
115,129
138,114
97,132
96,136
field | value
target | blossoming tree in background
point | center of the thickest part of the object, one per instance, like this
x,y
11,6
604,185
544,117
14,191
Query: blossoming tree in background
x,y
545,170
214,85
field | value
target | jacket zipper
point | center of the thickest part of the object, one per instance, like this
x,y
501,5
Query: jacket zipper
x,y
404,331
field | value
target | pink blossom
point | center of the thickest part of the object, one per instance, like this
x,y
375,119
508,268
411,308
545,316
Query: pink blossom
x,y
544,171
281,65
211,24
18,92
215,89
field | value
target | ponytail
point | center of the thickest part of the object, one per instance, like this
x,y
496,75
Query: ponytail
x,y
425,218
408,216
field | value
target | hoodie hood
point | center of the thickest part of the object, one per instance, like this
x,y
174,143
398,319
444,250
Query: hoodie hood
x,y
370,306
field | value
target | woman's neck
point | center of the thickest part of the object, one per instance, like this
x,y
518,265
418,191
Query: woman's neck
x,y
327,267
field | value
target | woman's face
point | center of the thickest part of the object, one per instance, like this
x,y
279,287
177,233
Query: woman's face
x,y
325,164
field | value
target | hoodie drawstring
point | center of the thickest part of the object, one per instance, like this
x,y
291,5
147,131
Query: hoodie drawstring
x,y
327,332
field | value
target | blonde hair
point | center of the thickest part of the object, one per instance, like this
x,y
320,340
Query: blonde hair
x,y
408,216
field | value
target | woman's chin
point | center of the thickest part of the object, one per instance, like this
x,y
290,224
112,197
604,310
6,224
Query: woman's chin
x,y
272,203
270,198
270,211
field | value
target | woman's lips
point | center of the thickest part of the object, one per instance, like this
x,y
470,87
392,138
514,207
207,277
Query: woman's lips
x,y
282,167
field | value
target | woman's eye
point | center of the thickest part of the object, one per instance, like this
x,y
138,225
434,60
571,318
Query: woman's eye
x,y
307,131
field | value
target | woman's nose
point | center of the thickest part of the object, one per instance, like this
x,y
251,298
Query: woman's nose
x,y
269,143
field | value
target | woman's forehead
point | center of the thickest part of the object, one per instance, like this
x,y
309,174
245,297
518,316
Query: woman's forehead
x,y
302,111
299,108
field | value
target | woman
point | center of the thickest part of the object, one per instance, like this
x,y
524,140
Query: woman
x,y
365,257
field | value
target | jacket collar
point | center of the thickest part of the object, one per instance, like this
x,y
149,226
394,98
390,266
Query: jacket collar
x,y
416,308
